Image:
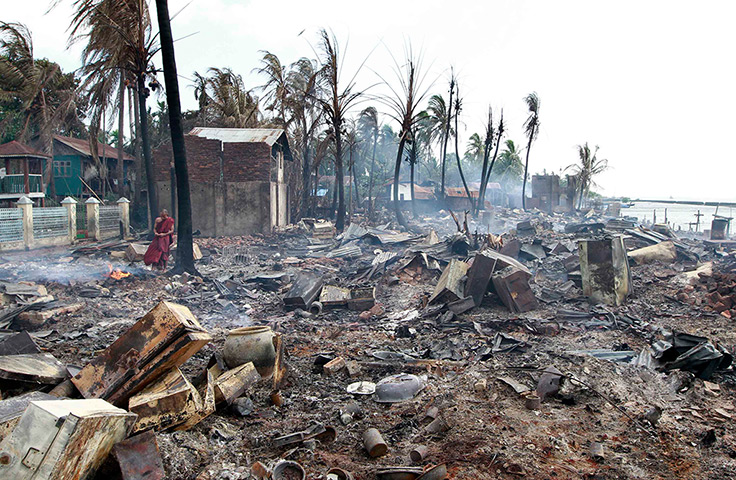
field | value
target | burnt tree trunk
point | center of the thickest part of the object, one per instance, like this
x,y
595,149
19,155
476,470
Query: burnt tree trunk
x,y
459,165
397,172
339,179
445,139
526,171
185,256
121,127
143,115
370,182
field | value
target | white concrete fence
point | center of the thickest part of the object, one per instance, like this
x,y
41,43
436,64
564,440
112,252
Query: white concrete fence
x,y
27,227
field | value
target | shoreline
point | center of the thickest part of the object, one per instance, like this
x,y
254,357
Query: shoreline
x,y
680,202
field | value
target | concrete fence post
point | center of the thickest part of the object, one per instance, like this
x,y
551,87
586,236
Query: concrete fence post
x,y
93,218
124,205
71,210
26,205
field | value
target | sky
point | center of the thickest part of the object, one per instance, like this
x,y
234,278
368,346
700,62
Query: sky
x,y
649,82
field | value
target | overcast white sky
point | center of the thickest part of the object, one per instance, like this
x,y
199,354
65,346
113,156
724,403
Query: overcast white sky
x,y
650,82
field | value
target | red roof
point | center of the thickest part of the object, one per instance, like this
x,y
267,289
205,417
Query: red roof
x,y
83,147
460,192
17,149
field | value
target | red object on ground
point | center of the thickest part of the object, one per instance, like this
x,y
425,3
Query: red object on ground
x,y
158,250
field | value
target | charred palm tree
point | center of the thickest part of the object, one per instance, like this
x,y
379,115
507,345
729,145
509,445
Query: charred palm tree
x,y
404,104
339,97
488,143
458,107
531,130
185,255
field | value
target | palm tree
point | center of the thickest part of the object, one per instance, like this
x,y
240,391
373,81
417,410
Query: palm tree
x,y
531,129
200,94
185,256
488,143
368,124
44,98
588,167
340,97
474,148
303,79
403,104
229,104
119,40
510,165
276,89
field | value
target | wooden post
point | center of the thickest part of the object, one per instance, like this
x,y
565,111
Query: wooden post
x,y
71,210
25,204
26,181
124,205
93,218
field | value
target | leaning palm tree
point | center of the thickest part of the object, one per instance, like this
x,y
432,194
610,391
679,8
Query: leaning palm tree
x,y
339,97
45,97
404,106
531,129
588,167
368,125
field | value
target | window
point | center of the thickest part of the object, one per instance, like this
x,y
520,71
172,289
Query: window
x,y
62,168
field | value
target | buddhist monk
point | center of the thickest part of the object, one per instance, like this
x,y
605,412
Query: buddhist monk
x,y
158,252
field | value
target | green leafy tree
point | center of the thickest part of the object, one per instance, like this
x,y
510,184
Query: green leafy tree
x,y
36,98
369,127
510,166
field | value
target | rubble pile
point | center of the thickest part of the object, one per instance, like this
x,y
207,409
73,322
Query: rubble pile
x,y
554,347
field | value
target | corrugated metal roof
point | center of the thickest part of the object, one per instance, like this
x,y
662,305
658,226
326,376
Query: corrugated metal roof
x,y
239,135
83,147
17,149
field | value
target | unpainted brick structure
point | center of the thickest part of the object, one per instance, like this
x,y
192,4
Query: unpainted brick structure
x,y
236,178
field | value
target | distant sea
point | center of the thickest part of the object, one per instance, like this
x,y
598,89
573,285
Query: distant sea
x,y
679,216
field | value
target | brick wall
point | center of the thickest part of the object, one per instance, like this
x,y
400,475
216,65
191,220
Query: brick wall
x,y
162,158
203,160
247,162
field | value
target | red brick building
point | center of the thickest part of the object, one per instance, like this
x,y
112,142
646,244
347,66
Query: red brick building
x,y
236,178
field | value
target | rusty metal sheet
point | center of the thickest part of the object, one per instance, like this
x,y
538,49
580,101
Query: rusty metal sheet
x,y
139,458
163,339
166,403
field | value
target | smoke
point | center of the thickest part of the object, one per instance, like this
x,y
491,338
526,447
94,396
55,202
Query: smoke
x,y
61,270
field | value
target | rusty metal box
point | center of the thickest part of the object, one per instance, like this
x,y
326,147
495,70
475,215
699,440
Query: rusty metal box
x,y
63,439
